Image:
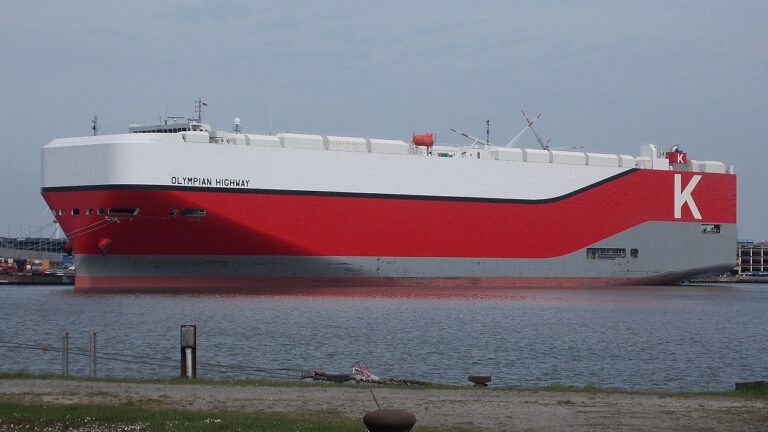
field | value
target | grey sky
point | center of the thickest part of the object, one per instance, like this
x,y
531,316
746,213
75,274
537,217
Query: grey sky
x,y
607,75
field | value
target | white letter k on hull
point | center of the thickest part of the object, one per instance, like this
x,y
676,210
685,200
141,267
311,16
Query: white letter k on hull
x,y
685,196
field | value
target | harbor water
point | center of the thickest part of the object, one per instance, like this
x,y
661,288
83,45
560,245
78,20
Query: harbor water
x,y
639,338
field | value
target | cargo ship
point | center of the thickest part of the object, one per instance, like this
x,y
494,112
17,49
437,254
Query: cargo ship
x,y
182,206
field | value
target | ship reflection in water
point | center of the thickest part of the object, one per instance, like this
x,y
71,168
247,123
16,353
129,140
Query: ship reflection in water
x,y
662,338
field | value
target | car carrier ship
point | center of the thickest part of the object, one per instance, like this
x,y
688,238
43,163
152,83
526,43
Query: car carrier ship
x,y
181,206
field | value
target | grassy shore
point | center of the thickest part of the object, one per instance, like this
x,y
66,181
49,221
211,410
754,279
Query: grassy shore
x,y
147,415
54,403
22,416
760,394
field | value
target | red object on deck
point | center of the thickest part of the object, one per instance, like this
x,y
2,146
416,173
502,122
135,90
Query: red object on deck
x,y
104,245
423,139
677,157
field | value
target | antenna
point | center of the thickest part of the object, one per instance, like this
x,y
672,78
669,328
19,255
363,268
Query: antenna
x,y
488,131
199,104
95,125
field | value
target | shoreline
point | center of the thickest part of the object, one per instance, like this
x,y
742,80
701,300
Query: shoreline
x,y
440,407
16,279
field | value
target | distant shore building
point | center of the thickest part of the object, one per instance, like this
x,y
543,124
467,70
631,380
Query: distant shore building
x,y
33,247
752,258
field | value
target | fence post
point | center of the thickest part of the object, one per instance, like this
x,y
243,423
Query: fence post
x,y
93,354
65,354
188,351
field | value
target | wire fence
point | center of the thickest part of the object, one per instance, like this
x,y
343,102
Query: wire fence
x,y
164,363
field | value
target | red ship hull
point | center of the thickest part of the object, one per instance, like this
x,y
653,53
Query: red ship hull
x,y
362,227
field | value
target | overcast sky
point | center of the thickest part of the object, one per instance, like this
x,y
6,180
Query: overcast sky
x,y
607,76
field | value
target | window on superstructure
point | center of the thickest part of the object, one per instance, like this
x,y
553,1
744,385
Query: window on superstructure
x,y
634,253
75,211
710,228
88,211
100,211
173,213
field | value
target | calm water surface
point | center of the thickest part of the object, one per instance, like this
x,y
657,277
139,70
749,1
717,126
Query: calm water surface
x,y
666,338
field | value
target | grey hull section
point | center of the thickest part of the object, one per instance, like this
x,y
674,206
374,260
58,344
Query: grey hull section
x,y
665,252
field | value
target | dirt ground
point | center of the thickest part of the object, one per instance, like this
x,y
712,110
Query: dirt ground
x,y
480,409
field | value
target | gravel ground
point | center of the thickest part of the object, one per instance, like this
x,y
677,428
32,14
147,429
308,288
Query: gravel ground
x,y
481,409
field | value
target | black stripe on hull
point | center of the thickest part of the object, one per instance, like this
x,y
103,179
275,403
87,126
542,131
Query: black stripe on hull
x,y
335,194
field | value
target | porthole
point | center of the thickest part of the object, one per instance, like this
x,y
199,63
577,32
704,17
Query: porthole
x,y
193,212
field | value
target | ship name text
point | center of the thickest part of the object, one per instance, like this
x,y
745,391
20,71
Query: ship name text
x,y
209,181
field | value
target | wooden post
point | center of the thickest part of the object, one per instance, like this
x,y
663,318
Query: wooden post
x,y
65,354
93,354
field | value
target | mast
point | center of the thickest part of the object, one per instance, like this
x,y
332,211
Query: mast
x,y
199,104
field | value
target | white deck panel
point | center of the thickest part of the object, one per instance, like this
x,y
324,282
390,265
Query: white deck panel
x,y
389,146
567,157
263,140
337,143
536,155
508,154
708,166
603,159
301,141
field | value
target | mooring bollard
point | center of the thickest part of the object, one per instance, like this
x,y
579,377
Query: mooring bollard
x,y
389,420
93,354
479,380
188,351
